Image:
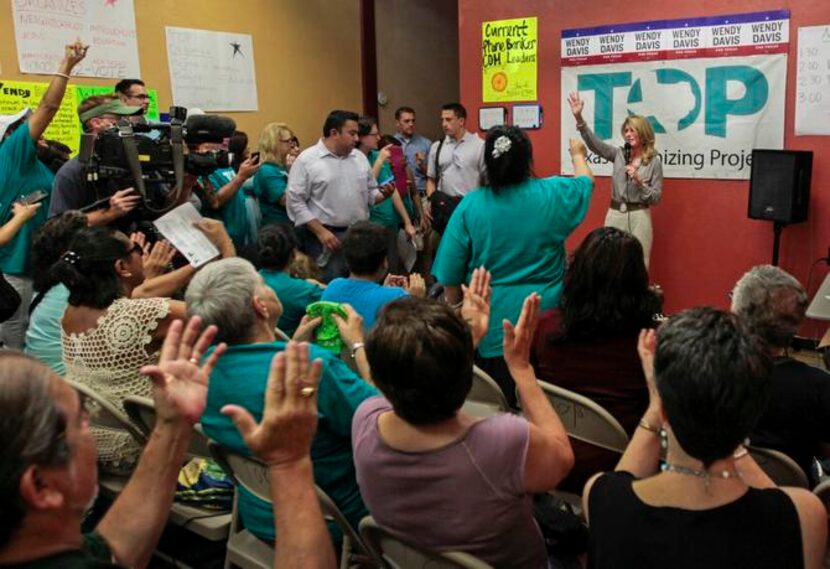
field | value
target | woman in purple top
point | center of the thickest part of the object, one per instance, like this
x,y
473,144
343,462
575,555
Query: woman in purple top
x,y
435,476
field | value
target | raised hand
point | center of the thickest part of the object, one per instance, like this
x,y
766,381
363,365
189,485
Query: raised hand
x,y
73,54
475,308
290,415
518,340
577,104
157,259
179,383
646,345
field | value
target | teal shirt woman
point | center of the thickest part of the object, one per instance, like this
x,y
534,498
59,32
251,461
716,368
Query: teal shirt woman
x,y
269,189
276,153
384,213
234,212
43,336
294,294
516,228
240,378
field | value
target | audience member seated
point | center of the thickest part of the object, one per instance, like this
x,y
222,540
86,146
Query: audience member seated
x,y
277,248
232,295
435,476
515,226
710,506
365,248
43,336
589,344
796,421
107,336
276,156
282,441
48,477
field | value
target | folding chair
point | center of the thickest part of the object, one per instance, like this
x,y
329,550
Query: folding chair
x,y
244,549
783,470
399,554
208,524
485,398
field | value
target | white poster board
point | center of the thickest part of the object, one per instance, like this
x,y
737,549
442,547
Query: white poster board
x,y
212,70
42,29
812,96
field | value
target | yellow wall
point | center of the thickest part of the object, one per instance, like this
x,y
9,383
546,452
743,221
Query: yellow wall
x,y
307,54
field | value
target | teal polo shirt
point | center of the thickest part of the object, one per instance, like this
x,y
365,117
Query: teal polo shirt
x,y
294,294
21,173
518,234
240,378
233,214
384,213
270,183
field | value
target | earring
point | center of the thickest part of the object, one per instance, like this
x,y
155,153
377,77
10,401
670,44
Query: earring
x,y
664,439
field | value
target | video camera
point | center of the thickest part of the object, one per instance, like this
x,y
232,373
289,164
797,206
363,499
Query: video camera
x,y
153,157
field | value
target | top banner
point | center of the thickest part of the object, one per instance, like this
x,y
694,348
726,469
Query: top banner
x,y
712,89
719,36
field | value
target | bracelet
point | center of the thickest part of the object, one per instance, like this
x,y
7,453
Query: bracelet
x,y
355,347
59,74
643,424
740,453
580,125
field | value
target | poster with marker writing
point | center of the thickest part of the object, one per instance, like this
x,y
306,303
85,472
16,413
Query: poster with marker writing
x,y
213,71
509,52
42,29
812,94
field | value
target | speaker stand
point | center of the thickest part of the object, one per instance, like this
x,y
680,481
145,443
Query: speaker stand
x,y
777,227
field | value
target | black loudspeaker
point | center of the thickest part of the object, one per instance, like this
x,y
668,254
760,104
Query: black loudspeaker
x,y
779,186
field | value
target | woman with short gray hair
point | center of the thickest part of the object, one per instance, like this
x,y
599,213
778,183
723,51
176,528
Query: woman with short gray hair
x,y
234,297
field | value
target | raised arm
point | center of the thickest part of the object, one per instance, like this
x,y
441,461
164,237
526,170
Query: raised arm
x,y
133,524
605,150
21,213
283,442
549,454
51,101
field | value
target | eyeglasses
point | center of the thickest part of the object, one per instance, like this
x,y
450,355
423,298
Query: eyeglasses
x,y
141,96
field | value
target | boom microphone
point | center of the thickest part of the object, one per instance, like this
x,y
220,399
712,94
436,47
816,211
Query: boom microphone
x,y
208,128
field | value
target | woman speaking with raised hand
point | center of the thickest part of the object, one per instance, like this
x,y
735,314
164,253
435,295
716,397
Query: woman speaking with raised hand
x,y
637,178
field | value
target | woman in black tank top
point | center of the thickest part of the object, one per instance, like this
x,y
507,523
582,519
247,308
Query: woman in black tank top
x,y
709,504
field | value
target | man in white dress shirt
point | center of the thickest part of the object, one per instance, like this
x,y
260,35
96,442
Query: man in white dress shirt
x,y
331,187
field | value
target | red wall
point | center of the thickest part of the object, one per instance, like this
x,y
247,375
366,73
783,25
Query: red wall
x,y
703,240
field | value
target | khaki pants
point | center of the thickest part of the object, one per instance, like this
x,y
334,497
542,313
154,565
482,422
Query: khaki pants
x,y
638,223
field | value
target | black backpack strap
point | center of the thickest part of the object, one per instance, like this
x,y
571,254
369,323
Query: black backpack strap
x,y
438,163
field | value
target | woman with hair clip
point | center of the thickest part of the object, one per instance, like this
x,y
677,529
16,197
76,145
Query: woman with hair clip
x,y
589,344
106,336
637,178
515,227
276,153
709,504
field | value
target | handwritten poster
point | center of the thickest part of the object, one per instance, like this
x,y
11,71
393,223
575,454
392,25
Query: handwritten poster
x,y
213,71
812,96
65,127
42,29
509,51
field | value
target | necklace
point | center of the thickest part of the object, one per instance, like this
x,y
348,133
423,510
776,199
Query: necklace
x,y
700,473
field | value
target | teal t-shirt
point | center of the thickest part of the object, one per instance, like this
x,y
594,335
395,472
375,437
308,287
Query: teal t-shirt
x,y
518,234
294,294
21,173
384,213
270,182
43,336
240,378
367,298
234,214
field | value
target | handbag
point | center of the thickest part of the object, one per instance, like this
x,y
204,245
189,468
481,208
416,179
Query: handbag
x,y
442,206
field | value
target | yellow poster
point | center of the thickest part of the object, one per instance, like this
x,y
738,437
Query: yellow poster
x,y
65,127
509,50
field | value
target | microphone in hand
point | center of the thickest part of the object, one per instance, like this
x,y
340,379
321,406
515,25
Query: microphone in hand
x,y
627,152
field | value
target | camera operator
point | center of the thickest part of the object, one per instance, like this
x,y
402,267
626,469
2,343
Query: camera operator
x,y
71,190
21,174
220,191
